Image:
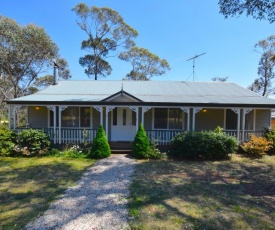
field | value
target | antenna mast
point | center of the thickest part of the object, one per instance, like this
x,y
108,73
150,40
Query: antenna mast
x,y
194,58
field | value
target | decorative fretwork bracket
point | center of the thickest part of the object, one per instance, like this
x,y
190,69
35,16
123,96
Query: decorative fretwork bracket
x,y
62,107
146,108
236,111
109,108
98,108
246,111
51,107
196,110
135,109
185,109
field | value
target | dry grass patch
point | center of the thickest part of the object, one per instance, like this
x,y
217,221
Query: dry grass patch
x,y
28,185
234,194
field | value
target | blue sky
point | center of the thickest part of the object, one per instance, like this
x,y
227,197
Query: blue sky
x,y
175,30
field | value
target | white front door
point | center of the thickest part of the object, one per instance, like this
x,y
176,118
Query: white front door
x,y
123,127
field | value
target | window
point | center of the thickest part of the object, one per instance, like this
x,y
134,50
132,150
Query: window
x,y
72,117
115,116
85,117
168,118
231,120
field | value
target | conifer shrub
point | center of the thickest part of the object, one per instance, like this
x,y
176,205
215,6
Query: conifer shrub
x,y
7,142
32,142
269,134
257,146
208,145
100,147
141,144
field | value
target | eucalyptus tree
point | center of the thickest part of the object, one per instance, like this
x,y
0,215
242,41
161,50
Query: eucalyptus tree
x,y
107,31
258,9
263,84
26,53
144,64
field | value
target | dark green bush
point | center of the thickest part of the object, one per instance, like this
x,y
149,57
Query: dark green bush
x,y
153,151
269,134
33,142
7,142
100,147
141,144
204,145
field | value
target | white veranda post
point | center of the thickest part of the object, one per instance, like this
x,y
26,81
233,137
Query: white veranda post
x,y
61,108
187,110
245,111
238,111
53,108
108,109
135,109
195,110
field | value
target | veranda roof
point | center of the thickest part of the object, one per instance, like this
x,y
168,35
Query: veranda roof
x,y
81,92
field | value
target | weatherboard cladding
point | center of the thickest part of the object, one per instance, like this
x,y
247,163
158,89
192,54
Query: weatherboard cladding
x,y
73,92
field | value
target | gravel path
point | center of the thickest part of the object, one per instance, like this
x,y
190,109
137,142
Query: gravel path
x,y
98,201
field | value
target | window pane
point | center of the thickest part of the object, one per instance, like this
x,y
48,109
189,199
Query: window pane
x,y
175,121
249,120
70,117
134,116
161,117
85,117
231,119
115,116
124,117
51,117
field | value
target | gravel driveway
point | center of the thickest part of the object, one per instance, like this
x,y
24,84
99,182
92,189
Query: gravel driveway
x,y
98,201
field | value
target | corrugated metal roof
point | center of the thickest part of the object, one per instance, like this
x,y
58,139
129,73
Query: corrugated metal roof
x,y
148,91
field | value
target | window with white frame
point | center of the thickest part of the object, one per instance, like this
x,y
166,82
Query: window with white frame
x,y
165,118
73,117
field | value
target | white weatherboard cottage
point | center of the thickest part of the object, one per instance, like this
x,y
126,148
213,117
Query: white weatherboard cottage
x,y
165,108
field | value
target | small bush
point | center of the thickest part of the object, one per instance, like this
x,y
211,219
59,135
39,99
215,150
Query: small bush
x,y
257,146
7,142
141,144
205,145
269,134
100,148
32,143
70,151
153,152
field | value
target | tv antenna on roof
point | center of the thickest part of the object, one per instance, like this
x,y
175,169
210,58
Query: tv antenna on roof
x,y
194,58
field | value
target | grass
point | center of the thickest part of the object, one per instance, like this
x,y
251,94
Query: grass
x,y
29,185
234,194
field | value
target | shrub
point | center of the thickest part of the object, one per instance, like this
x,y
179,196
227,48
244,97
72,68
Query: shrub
x,y
7,142
269,134
32,142
153,152
70,151
257,146
205,145
141,144
100,147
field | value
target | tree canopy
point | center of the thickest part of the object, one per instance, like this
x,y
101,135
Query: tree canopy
x,y
26,52
107,31
258,9
144,64
263,84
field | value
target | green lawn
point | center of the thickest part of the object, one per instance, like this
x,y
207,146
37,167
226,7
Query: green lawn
x,y
28,185
234,194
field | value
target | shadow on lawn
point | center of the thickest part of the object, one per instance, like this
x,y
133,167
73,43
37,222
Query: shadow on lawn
x,y
26,192
203,195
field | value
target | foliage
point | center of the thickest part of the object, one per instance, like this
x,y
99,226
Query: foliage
x,y
32,143
153,152
107,31
100,148
269,134
219,79
73,151
257,146
263,84
141,144
205,145
26,52
144,64
7,142
258,9
218,129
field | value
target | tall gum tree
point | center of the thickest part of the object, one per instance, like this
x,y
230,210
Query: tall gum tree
x,y
263,84
107,31
258,9
144,64
26,53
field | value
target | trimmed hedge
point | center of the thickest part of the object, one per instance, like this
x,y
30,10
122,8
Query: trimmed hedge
x,y
100,148
141,144
204,145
